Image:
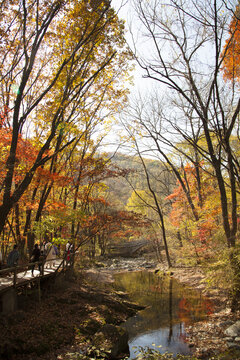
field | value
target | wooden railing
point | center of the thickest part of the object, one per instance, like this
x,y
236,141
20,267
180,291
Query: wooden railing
x,y
64,263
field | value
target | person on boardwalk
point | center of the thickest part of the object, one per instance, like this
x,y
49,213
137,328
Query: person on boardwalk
x,y
13,257
68,250
35,258
43,248
51,255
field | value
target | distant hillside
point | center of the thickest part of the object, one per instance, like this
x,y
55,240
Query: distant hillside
x,y
120,190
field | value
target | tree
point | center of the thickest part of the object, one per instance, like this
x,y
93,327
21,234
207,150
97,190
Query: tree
x,y
203,234
155,201
186,58
187,32
53,54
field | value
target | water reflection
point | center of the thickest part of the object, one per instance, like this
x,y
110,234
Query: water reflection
x,y
169,306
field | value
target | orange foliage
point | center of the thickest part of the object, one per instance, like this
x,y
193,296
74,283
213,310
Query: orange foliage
x,y
55,206
208,210
26,154
45,175
3,116
231,51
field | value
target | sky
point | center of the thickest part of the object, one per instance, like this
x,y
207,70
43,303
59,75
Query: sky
x,y
125,11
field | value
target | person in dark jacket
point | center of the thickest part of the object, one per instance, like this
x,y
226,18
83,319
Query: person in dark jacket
x,y
35,258
13,257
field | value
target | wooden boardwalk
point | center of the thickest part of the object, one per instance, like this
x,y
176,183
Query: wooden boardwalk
x,y
22,275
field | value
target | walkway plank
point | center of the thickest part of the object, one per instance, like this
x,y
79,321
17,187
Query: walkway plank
x,y
26,276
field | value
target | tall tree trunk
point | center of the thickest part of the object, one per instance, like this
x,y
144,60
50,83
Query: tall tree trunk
x,y
159,211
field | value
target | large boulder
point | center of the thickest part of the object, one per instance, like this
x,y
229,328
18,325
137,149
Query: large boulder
x,y
112,340
233,330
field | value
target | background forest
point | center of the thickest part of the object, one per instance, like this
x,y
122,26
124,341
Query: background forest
x,y
66,73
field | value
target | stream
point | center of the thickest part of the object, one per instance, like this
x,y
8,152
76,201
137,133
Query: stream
x,y
170,306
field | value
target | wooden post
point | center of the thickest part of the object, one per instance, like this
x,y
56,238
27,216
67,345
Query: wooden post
x,y
39,289
73,258
15,276
42,268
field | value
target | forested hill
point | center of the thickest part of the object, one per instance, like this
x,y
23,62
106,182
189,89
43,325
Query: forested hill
x,y
121,189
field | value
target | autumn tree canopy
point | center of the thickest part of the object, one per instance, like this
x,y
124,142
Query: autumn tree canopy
x,y
231,50
61,62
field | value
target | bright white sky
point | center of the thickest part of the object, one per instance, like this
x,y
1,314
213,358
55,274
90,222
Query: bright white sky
x,y
125,11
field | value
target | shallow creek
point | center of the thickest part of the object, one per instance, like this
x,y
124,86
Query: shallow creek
x,y
170,306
